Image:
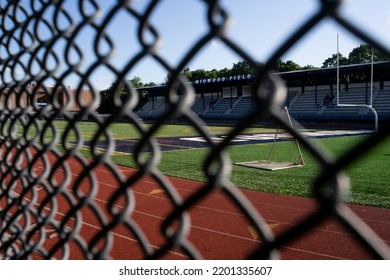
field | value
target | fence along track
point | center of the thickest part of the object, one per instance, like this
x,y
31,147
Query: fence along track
x,y
35,171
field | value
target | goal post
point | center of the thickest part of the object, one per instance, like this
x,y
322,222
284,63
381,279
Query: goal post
x,y
370,105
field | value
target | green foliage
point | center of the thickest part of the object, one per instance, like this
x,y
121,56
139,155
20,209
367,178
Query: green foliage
x,y
107,96
380,56
361,54
365,54
106,100
137,82
358,55
332,61
308,67
287,66
239,68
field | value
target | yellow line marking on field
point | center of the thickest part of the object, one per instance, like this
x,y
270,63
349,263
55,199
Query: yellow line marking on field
x,y
156,191
56,234
255,233
272,226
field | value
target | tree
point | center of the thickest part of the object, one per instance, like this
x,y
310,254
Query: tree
x,y
212,74
107,104
188,73
287,66
225,72
136,82
332,61
198,74
150,84
106,101
241,68
361,54
380,56
308,67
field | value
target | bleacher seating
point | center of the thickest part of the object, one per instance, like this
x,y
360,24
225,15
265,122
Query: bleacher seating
x,y
302,106
152,108
242,107
346,110
219,108
201,104
307,105
381,103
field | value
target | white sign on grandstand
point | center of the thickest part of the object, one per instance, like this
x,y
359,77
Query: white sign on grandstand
x,y
222,79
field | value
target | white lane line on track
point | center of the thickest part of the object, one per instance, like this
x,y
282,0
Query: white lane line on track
x,y
99,228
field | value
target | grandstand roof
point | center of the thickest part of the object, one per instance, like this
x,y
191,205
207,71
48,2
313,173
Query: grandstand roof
x,y
320,75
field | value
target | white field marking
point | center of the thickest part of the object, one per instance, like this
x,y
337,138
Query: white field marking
x,y
207,230
238,139
203,140
179,188
193,226
114,153
99,228
254,233
34,224
212,209
272,225
163,218
209,208
158,185
282,135
149,215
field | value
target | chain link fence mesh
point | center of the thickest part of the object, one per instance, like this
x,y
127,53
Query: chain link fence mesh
x,y
49,187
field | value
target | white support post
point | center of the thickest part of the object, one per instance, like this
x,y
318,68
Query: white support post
x,y
369,106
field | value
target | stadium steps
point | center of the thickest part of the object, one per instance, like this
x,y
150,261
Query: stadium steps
x,y
235,102
242,106
147,110
160,108
381,103
356,96
201,105
291,103
220,108
306,105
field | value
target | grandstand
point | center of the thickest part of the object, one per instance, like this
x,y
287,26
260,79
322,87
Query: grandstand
x,y
313,101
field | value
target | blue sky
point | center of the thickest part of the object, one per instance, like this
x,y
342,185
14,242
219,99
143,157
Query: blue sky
x,y
258,26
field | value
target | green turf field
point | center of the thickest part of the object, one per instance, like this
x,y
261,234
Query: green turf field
x,y
369,176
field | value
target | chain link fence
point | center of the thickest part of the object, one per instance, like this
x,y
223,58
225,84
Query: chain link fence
x,y
48,185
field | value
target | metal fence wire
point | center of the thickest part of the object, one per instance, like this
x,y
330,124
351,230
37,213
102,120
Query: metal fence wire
x,y
49,186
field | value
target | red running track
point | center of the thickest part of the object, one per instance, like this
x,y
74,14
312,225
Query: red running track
x,y
218,229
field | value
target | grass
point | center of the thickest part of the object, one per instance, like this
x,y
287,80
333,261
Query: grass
x,y
369,175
